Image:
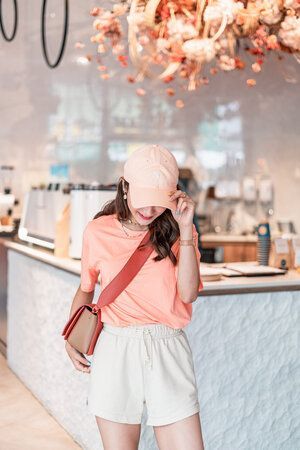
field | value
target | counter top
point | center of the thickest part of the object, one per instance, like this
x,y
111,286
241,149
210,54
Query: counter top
x,y
228,238
42,254
287,282
290,281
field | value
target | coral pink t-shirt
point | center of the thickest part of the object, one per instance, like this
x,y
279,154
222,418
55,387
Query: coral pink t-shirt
x,y
151,297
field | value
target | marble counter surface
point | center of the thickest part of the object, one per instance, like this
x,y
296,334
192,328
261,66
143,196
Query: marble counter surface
x,y
286,282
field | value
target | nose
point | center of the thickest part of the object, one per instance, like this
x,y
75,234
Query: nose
x,y
150,211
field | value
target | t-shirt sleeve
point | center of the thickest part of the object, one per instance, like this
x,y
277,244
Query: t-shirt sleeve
x,y
89,273
176,250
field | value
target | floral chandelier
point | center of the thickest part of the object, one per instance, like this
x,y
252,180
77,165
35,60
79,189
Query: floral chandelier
x,y
170,40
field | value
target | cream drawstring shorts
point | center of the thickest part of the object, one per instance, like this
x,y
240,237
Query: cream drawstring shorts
x,y
141,364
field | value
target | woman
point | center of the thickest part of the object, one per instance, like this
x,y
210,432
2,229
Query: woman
x,y
142,354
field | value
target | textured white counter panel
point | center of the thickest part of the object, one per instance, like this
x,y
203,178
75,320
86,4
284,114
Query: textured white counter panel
x,y
287,282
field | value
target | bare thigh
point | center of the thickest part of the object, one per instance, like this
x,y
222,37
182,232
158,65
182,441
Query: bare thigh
x,y
118,436
184,434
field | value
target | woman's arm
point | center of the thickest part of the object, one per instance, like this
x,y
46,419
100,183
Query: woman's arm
x,y
80,299
188,278
78,359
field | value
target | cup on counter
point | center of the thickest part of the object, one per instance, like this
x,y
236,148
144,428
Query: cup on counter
x,y
263,243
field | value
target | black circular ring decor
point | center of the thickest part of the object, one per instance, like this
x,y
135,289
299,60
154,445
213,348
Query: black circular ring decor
x,y
11,37
64,39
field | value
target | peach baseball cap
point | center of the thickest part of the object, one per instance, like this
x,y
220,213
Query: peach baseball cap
x,y
152,173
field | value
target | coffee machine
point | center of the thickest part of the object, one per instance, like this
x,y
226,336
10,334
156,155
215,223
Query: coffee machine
x,y
7,200
41,209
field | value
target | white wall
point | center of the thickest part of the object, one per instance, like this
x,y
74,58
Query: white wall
x,y
70,115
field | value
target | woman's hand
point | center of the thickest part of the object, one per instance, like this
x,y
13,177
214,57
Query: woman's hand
x,y
185,209
79,361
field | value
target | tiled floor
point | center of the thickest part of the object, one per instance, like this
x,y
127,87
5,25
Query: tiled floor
x,y
24,423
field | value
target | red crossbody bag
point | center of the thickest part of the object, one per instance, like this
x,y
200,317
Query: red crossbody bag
x,y
84,326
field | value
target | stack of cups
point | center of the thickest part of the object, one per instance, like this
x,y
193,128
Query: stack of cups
x,y
263,243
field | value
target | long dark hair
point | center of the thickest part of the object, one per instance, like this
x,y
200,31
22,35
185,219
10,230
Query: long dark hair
x,y
164,230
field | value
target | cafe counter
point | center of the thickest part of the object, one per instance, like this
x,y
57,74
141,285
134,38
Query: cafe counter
x,y
243,335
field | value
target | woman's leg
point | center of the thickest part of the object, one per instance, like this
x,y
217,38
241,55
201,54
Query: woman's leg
x,y
184,434
118,436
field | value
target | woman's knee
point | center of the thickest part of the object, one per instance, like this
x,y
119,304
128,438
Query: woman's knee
x,y
118,436
185,434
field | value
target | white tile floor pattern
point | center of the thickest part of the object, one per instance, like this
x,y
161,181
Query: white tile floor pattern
x,y
24,422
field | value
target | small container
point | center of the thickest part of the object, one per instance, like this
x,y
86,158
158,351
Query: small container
x,y
263,243
281,255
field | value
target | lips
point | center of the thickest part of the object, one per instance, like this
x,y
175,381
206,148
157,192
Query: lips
x,y
144,217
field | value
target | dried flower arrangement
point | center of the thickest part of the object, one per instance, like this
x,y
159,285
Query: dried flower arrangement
x,y
175,39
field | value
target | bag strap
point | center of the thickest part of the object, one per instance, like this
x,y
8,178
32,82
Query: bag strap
x,y
127,273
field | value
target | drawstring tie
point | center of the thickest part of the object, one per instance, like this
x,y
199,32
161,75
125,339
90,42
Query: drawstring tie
x,y
148,359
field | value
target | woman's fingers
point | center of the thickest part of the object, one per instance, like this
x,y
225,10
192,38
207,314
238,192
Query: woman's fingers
x,y
82,367
181,200
183,206
81,364
176,194
81,358
181,196
78,360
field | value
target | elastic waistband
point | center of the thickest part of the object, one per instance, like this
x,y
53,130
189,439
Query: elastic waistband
x,y
157,330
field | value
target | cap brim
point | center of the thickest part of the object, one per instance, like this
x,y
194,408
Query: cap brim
x,y
143,197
